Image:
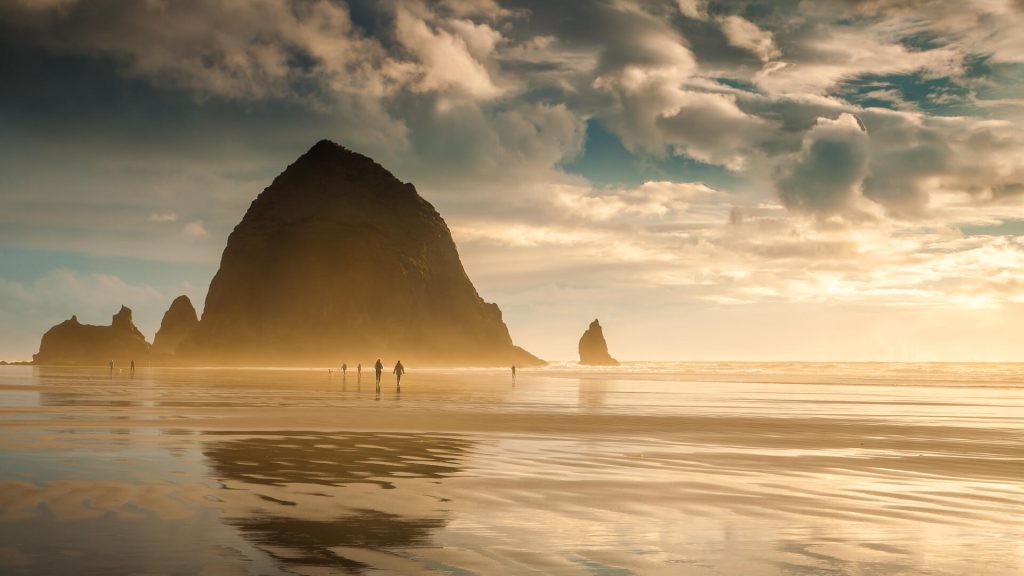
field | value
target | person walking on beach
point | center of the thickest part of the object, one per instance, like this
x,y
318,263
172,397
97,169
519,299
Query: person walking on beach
x,y
359,373
399,370
344,369
513,372
111,368
133,369
378,368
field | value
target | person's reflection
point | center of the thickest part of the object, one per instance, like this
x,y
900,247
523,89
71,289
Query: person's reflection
x,y
592,393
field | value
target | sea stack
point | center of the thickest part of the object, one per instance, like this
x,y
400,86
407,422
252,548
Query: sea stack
x,y
179,321
72,342
337,260
593,348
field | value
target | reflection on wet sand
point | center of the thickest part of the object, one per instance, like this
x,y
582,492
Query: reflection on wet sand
x,y
315,543
93,388
285,472
311,516
335,460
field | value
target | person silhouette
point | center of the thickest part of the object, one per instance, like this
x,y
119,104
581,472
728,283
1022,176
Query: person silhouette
x,y
111,368
378,368
398,371
513,372
359,373
133,369
344,370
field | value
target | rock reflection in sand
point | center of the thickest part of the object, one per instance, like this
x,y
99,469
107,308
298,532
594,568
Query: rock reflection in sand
x,y
314,542
335,459
304,497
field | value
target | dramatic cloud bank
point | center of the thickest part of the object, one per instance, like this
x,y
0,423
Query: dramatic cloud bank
x,y
718,160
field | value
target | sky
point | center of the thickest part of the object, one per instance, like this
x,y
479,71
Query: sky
x,y
741,180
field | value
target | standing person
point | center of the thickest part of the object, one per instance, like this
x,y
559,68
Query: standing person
x,y
399,370
378,368
133,369
344,369
513,372
111,368
359,373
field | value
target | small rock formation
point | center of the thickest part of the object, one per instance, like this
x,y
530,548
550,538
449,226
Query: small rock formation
x,y
339,260
593,348
179,321
71,342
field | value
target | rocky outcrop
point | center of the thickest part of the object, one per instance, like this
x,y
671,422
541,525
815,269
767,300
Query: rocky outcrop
x,y
72,342
593,348
337,260
179,321
521,357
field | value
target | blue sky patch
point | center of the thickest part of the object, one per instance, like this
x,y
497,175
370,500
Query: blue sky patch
x,y
606,162
941,96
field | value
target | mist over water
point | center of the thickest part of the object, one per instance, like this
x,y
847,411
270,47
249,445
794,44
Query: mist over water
x,y
646,468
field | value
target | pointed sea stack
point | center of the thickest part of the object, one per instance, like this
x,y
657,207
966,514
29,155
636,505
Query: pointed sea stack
x,y
337,260
593,348
71,342
179,321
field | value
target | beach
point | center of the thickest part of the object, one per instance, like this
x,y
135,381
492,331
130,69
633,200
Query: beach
x,y
647,468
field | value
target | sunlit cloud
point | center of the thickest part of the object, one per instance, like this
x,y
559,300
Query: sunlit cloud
x,y
164,216
196,229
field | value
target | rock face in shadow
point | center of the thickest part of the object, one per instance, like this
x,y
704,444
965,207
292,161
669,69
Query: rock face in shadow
x,y
179,321
337,260
72,342
593,348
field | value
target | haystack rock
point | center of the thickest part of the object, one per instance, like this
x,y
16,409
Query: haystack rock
x,y
338,261
179,321
72,342
593,348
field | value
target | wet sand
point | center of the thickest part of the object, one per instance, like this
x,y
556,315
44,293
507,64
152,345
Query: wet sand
x,y
755,469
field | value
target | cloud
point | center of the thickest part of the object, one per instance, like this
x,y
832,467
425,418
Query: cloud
x,y
47,5
825,177
642,70
432,86
92,291
669,203
195,229
714,247
743,33
163,216
484,106
448,61
696,9
832,54
906,158
712,128
273,49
